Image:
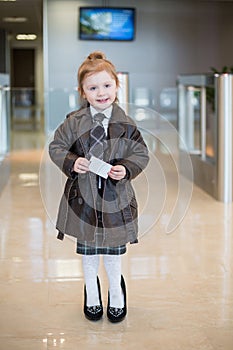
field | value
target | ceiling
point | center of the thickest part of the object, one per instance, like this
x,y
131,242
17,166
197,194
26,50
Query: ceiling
x,y
31,9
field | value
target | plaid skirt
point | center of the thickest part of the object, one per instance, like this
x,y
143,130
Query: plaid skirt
x,y
84,249
98,249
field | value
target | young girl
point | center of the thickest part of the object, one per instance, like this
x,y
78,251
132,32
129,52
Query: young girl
x,y
99,210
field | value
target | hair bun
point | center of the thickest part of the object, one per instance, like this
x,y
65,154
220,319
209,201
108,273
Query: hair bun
x,y
96,55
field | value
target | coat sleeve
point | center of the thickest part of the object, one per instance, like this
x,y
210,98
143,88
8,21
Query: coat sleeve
x,y
59,148
136,155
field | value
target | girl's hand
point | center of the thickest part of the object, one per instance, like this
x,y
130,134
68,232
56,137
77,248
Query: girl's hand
x,y
81,165
117,172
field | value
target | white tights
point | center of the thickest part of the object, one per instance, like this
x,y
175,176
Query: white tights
x,y
90,271
112,264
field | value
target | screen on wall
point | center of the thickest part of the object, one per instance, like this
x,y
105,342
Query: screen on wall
x,y
106,23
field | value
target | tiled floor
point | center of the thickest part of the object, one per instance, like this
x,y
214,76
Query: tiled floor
x,y
180,285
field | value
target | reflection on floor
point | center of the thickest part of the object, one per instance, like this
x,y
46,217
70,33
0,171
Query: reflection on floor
x,y
180,285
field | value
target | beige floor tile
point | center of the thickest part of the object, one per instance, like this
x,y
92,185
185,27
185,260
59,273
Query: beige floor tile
x,y
220,338
21,292
13,343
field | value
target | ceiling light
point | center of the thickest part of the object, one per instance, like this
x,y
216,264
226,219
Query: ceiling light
x,y
26,36
15,19
28,176
8,0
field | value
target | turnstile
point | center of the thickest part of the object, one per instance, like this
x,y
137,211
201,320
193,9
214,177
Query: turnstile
x,y
205,112
4,114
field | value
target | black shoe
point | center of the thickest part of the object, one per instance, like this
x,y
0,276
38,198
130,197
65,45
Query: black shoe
x,y
93,313
117,314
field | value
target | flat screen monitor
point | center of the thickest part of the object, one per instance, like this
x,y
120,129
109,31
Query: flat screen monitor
x,y
106,23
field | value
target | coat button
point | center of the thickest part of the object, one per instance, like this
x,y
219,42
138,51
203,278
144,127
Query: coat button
x,y
80,200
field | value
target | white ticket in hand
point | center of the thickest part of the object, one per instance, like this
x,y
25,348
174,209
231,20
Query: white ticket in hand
x,y
99,167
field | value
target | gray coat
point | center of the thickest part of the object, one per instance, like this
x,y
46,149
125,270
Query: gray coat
x,y
77,214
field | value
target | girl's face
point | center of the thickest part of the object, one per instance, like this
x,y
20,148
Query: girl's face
x,y
100,90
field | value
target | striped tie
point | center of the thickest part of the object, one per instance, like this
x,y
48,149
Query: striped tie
x,y
97,137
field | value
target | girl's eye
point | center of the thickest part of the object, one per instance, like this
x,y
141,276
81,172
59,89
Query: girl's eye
x,y
92,88
107,85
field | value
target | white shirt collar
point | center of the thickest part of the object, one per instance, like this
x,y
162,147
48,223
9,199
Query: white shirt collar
x,y
107,112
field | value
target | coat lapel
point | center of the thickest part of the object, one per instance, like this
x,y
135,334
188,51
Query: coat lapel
x,y
116,127
85,127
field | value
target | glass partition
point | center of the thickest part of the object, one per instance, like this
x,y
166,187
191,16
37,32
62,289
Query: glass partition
x,y
197,117
4,120
60,101
25,110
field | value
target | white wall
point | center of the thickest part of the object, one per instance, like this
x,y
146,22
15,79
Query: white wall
x,y
172,38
